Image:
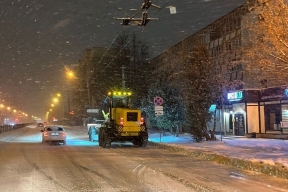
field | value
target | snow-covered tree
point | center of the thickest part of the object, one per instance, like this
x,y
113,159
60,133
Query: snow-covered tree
x,y
266,51
100,71
173,106
203,89
131,52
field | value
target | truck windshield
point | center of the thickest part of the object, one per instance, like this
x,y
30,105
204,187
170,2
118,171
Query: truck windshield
x,y
120,102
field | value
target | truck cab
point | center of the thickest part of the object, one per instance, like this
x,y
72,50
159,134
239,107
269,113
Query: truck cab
x,y
124,123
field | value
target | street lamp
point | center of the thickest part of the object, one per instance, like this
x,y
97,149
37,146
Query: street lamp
x,y
54,103
56,100
70,74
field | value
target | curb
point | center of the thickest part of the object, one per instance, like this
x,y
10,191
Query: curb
x,y
277,170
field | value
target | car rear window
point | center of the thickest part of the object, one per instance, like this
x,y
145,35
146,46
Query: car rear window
x,y
54,129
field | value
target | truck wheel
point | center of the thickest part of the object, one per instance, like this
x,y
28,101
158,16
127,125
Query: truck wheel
x,y
143,141
100,138
107,141
136,142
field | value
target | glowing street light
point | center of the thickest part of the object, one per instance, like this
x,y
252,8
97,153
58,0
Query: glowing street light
x,y
70,74
56,100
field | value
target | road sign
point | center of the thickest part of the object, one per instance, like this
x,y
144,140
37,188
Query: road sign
x,y
158,110
158,101
159,113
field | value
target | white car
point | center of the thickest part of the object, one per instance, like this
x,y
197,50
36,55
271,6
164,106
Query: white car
x,y
54,134
40,125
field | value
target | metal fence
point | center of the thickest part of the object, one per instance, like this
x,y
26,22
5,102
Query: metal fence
x,y
6,128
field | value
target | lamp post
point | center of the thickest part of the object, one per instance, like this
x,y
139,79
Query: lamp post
x,y
70,75
88,92
54,104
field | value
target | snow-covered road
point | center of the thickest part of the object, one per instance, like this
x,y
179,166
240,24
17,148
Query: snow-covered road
x,y
27,165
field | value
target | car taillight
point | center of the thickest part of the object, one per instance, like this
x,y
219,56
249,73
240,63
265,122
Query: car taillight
x,y
121,121
142,121
45,134
64,134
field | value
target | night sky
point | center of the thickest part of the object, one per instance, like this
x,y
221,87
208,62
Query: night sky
x,y
39,37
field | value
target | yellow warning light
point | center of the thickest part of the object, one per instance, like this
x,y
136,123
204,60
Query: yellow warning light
x,y
119,93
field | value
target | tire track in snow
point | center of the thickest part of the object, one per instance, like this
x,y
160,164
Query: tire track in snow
x,y
144,163
36,167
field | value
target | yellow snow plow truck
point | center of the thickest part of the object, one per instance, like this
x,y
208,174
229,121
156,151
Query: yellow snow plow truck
x,y
122,123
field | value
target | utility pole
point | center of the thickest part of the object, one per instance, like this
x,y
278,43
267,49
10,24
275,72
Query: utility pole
x,y
88,92
88,117
123,77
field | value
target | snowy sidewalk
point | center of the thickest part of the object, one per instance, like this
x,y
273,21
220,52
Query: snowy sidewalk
x,y
262,153
268,151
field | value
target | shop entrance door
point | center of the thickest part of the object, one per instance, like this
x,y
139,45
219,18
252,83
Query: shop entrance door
x,y
239,127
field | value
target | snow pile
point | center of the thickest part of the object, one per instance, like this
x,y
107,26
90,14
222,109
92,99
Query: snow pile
x,y
268,156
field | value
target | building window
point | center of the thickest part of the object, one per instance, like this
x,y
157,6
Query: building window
x,y
238,23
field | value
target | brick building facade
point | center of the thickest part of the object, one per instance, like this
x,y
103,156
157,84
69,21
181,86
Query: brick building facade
x,y
243,110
